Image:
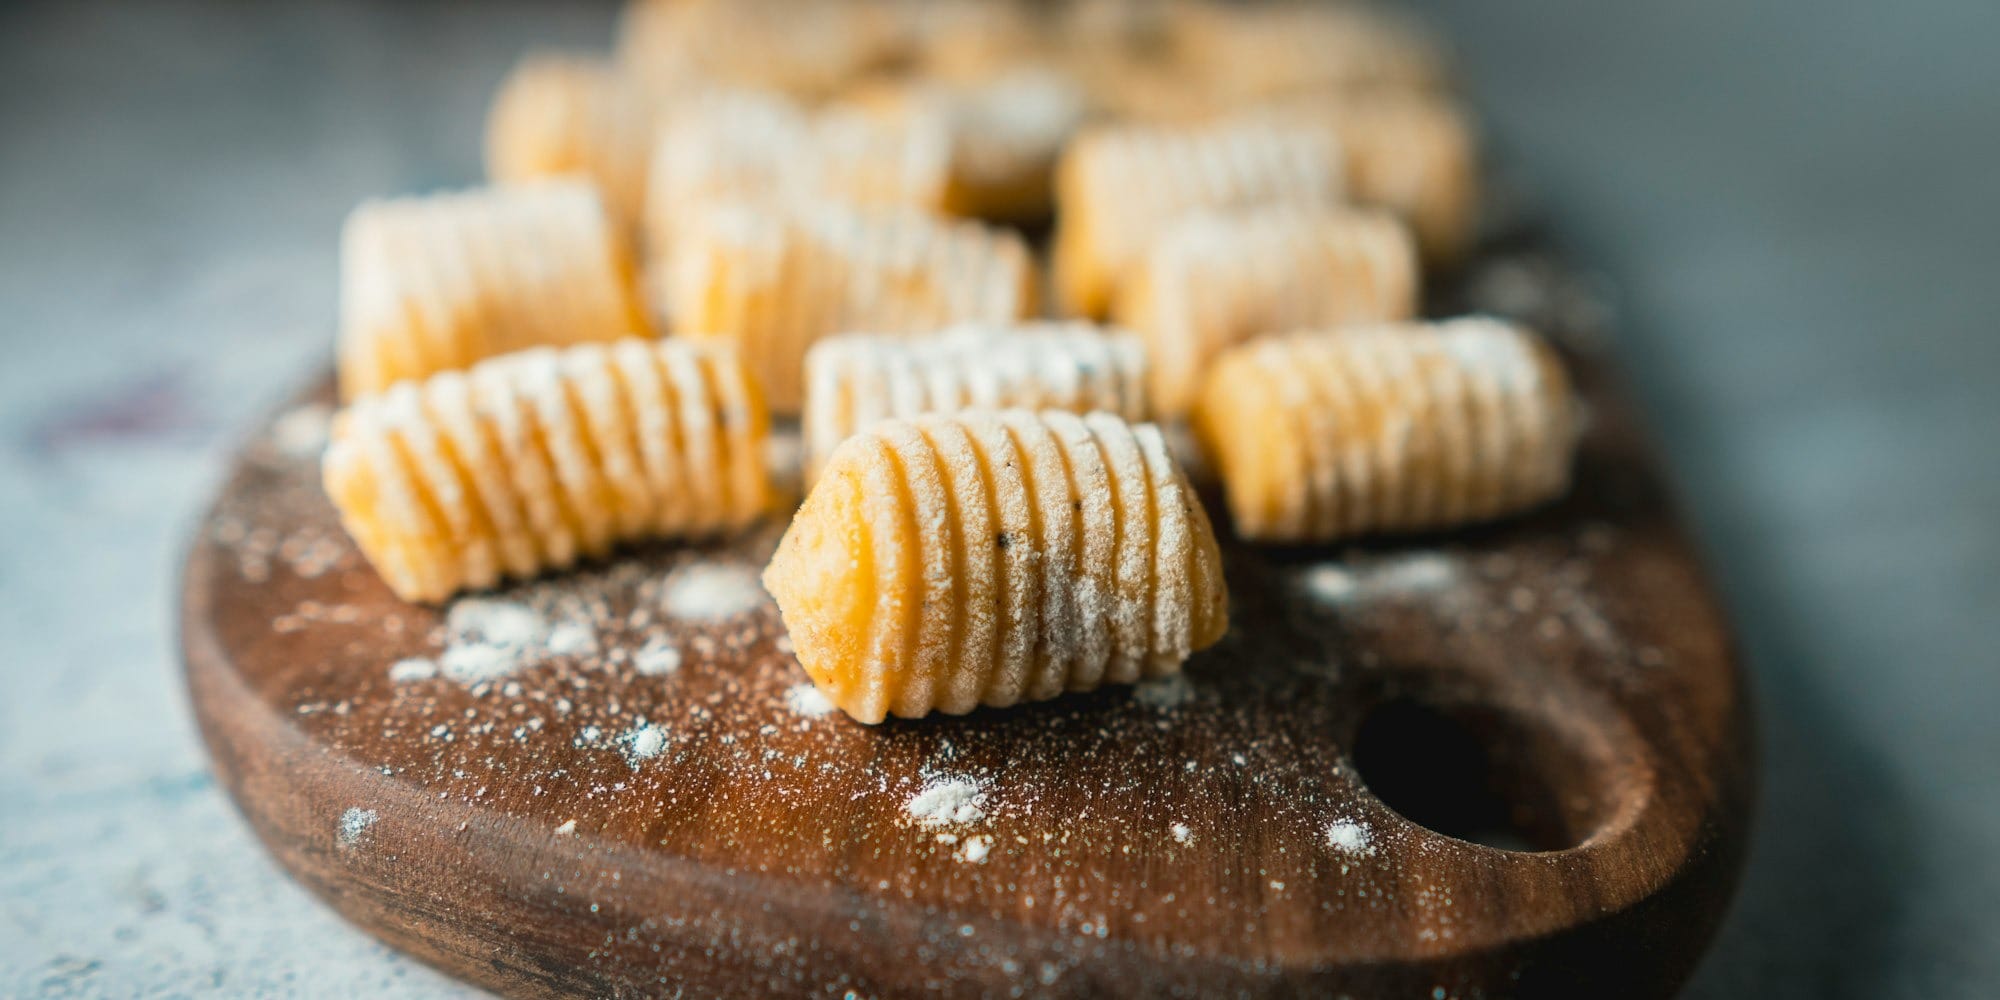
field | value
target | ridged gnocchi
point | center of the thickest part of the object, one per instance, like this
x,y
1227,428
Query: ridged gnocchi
x,y
772,279
436,283
992,558
560,115
1118,187
530,461
806,49
1393,428
854,380
1213,280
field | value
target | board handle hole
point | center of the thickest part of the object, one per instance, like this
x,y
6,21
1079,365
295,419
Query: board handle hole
x,y
1483,774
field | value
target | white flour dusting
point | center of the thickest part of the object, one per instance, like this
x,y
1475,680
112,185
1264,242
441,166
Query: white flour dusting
x,y
1402,576
658,656
713,592
643,742
475,662
355,822
1163,693
1181,833
948,801
976,849
807,700
568,827
490,639
573,639
415,668
302,431
1350,837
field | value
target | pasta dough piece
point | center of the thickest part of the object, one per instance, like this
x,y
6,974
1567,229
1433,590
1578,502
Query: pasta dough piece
x,y
436,283
1005,133
529,461
806,49
1392,428
730,146
773,279
855,380
1413,154
1214,280
1243,52
559,115
1119,186
995,557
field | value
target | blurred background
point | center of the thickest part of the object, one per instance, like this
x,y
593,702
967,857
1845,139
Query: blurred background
x,y
1795,207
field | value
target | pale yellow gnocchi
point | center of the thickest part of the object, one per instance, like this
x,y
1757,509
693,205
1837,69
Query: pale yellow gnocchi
x,y
996,557
1392,428
530,461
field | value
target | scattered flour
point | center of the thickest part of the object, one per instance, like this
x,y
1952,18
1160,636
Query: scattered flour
x,y
476,662
1419,573
658,656
807,700
1163,693
1350,837
573,639
355,822
301,432
976,849
948,801
415,668
1181,833
490,639
568,827
643,742
713,592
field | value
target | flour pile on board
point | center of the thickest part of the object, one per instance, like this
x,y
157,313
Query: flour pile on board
x,y
658,656
1403,576
355,822
976,849
1350,837
713,593
947,802
643,742
490,639
807,700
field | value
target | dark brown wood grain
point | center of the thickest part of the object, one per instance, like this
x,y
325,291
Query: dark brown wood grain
x,y
1560,683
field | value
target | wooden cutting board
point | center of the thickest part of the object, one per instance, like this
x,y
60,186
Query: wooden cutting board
x,y
1510,761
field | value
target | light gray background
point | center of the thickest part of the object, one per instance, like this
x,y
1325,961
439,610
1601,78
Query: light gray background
x,y
1799,202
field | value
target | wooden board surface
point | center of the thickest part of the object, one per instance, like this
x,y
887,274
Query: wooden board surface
x,y
1510,761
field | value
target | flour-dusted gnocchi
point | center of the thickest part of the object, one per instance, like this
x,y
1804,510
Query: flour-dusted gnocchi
x,y
774,278
436,283
1400,427
854,380
529,461
1245,52
1117,187
1216,279
559,115
735,146
991,558
1414,154
805,49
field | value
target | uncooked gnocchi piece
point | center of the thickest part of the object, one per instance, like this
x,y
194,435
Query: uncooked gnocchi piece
x,y
530,461
1119,186
806,49
562,115
436,283
852,381
772,279
1414,154
1213,280
733,146
996,557
1242,52
1005,133
1392,428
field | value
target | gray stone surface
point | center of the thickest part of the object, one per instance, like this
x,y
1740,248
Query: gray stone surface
x,y
1797,201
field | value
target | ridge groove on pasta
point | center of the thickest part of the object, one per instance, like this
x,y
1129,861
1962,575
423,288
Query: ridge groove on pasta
x,y
772,279
1215,279
1387,428
529,461
560,114
991,557
854,380
436,283
1119,186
